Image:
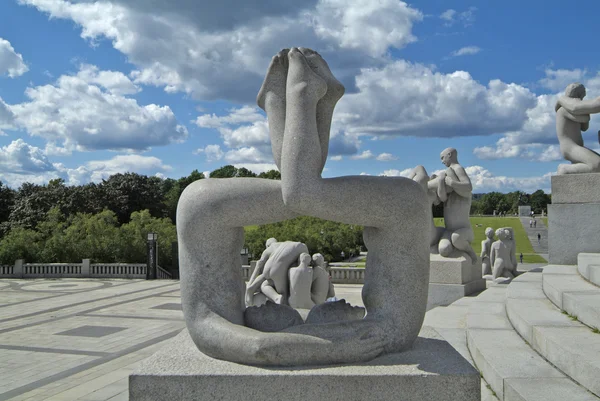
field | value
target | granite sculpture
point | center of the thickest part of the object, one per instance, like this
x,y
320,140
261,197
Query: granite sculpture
x,y
299,95
573,117
486,247
502,255
453,188
269,280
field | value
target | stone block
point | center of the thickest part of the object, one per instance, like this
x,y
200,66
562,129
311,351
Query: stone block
x,y
431,370
457,270
575,188
572,229
445,294
589,266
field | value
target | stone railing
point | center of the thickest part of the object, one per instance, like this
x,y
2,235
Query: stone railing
x,y
85,269
339,275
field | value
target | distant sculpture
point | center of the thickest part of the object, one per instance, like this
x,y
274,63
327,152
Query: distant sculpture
x,y
301,279
502,256
452,187
299,94
271,272
572,117
486,247
322,287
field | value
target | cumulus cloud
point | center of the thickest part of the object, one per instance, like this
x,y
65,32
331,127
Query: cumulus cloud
x,y
21,162
212,152
484,180
221,51
7,117
407,99
386,157
397,173
11,62
336,158
557,80
18,157
367,154
87,111
466,51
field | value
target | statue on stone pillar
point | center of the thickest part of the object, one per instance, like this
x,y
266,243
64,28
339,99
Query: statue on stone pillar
x,y
573,117
486,248
502,256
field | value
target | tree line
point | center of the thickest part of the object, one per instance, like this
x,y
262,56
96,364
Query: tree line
x,y
108,221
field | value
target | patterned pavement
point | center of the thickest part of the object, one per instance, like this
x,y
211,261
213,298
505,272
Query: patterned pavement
x,y
79,339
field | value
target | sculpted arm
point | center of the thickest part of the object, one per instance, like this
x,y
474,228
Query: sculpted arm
x,y
578,106
463,186
260,265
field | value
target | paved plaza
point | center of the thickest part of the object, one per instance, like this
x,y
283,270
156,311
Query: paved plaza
x,y
79,339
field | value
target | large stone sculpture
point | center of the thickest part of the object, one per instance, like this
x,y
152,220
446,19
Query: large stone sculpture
x,y
486,247
572,117
453,188
502,255
299,94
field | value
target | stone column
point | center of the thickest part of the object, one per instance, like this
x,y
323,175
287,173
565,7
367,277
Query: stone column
x,y
85,268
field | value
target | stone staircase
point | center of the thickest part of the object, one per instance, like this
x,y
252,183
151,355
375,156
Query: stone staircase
x,y
537,338
542,247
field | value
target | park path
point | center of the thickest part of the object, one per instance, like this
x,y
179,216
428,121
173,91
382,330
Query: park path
x,y
542,247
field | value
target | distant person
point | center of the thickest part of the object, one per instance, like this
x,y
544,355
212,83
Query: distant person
x,y
539,238
534,223
530,223
521,257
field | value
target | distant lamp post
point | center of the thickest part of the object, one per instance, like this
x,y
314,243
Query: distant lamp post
x,y
152,260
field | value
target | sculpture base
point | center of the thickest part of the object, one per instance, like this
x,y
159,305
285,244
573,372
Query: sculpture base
x,y
431,370
573,217
452,278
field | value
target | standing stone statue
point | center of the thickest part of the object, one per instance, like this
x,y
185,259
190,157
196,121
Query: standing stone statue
x,y
572,117
486,247
322,287
452,187
301,280
502,256
299,94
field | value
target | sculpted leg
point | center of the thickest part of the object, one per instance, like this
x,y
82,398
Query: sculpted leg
x,y
584,161
271,98
445,246
461,240
396,217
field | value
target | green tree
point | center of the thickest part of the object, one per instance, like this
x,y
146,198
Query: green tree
x,y
230,171
270,175
20,243
134,237
95,237
539,201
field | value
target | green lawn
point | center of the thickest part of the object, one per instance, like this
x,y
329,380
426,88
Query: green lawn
x,y
479,225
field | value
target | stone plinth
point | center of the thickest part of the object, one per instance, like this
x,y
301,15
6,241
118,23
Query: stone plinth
x,y
573,217
452,278
431,370
576,188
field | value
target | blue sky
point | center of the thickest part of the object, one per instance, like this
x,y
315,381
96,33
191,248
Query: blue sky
x,y
89,89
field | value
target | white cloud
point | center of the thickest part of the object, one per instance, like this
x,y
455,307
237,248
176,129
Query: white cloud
x,y
221,50
114,82
18,157
7,117
386,157
466,18
257,167
557,80
11,62
336,158
367,154
484,180
406,99
397,173
80,115
365,24
212,152
247,155
466,51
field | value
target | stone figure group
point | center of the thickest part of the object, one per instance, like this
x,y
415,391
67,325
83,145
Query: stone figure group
x,y
453,188
286,274
499,258
299,94
573,117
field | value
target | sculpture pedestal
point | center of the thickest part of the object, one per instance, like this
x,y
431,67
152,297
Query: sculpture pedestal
x,y
431,370
573,217
452,278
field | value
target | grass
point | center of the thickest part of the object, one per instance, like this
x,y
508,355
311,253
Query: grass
x,y
545,220
595,330
479,225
